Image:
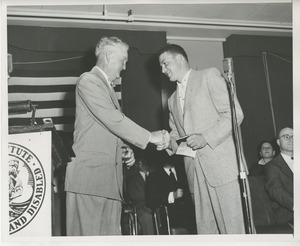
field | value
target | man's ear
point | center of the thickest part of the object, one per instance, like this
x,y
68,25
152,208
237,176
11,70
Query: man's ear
x,y
108,55
180,58
97,51
278,142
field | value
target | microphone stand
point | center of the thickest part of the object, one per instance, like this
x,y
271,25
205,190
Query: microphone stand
x,y
246,199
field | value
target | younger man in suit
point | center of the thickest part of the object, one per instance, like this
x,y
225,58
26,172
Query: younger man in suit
x,y
279,177
200,109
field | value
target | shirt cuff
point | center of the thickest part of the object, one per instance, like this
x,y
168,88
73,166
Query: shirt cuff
x,y
171,197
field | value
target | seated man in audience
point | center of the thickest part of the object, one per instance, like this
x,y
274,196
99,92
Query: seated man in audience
x,y
168,186
267,153
279,177
135,187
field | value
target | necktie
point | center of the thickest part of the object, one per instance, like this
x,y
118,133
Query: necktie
x,y
173,180
181,94
112,84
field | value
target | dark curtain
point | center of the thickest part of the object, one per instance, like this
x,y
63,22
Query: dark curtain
x,y
257,99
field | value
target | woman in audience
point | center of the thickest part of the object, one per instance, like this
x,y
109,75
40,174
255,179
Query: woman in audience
x,y
267,153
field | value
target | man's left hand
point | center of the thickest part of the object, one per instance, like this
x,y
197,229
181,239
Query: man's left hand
x,y
196,141
128,156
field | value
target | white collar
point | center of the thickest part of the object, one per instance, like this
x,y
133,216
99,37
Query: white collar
x,y
108,80
167,170
185,78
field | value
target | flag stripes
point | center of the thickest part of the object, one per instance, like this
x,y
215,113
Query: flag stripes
x,y
54,97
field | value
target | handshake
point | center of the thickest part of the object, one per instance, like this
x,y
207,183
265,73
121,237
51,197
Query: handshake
x,y
161,139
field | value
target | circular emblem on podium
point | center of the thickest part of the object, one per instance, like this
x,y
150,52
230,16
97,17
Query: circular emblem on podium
x,y
27,186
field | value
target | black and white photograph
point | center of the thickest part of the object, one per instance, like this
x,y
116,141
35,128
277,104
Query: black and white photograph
x,y
149,122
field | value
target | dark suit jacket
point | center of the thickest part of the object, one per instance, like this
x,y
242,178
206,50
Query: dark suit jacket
x,y
135,191
257,170
158,187
279,185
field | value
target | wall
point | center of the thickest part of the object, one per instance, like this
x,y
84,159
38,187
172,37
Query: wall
x,y
202,54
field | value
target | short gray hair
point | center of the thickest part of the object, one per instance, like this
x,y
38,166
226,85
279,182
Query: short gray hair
x,y
109,43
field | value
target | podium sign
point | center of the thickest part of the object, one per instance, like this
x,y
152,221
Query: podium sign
x,y
29,176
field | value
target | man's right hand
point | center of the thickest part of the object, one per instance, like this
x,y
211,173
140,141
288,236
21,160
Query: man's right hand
x,y
178,193
161,139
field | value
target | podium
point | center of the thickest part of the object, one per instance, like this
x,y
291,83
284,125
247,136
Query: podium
x,y
37,160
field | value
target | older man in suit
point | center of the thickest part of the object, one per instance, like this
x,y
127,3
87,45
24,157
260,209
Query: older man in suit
x,y
279,177
94,178
200,109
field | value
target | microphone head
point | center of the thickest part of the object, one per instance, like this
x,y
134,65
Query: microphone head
x,y
228,65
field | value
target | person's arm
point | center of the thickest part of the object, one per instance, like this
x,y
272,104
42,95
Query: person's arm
x,y
221,129
97,100
275,188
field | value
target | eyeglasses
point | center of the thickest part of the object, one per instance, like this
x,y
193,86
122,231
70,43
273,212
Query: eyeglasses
x,y
287,137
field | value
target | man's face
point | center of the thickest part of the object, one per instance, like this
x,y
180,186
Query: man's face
x,y
267,151
170,65
285,141
117,63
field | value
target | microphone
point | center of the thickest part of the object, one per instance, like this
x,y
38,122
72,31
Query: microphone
x,y
228,71
228,66
21,107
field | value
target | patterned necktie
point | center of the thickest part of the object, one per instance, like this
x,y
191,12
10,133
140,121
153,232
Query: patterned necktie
x,y
112,84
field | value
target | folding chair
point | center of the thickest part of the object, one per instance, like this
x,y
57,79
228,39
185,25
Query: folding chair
x,y
162,223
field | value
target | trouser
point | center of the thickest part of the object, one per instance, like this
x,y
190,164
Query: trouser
x,y
218,209
92,215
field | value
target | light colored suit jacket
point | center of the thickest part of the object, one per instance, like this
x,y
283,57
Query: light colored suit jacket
x,y
207,111
100,128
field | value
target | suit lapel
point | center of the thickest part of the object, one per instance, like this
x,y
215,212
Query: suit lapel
x,y
284,167
177,107
189,89
111,91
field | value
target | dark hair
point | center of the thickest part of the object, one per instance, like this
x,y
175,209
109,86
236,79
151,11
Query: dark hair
x,y
174,49
261,144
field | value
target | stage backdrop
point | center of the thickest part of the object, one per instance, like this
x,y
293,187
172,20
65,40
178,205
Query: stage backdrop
x,y
48,60
263,77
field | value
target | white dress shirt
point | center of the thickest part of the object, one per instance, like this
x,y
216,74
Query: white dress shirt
x,y
171,198
108,80
182,88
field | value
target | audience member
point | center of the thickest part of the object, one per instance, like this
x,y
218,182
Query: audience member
x,y
94,178
135,188
266,153
200,109
167,185
279,177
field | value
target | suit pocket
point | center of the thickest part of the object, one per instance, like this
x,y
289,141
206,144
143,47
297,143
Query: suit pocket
x,y
94,159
